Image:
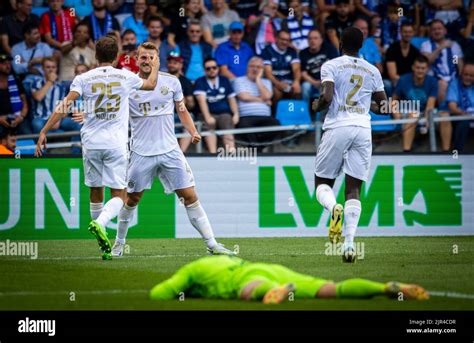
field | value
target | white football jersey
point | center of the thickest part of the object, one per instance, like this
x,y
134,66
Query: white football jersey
x,y
354,82
105,92
152,117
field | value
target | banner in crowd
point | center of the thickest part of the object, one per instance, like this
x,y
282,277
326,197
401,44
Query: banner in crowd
x,y
262,196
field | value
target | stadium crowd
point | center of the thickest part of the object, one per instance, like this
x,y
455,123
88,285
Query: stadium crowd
x,y
237,59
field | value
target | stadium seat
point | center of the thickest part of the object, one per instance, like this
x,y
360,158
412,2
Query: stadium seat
x,y
39,10
293,112
25,142
382,128
417,41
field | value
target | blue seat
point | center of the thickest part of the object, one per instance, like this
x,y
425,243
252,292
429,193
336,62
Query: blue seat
x,y
382,128
39,10
417,41
25,142
293,112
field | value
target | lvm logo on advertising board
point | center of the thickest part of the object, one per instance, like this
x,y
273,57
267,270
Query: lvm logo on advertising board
x,y
435,188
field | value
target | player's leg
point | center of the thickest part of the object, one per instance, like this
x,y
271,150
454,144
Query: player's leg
x,y
199,220
329,161
142,170
363,289
96,201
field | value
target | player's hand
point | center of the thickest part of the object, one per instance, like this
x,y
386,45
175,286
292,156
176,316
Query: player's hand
x,y
195,138
40,144
78,117
4,121
314,106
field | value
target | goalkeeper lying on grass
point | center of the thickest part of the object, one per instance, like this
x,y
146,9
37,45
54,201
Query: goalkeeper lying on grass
x,y
229,277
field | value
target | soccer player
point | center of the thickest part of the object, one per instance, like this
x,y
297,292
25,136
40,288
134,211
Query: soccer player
x,y
105,92
229,277
349,84
155,152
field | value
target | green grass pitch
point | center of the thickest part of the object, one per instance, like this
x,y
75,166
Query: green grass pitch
x,y
75,266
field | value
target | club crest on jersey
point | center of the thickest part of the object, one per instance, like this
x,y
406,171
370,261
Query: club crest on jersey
x,y
131,184
164,90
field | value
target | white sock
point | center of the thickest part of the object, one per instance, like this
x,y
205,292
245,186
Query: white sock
x,y
199,220
110,211
352,211
325,196
124,217
96,209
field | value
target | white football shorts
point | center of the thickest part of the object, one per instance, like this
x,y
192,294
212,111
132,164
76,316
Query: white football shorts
x,y
105,167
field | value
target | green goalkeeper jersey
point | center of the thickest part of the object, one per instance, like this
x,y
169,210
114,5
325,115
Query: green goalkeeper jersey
x,y
207,277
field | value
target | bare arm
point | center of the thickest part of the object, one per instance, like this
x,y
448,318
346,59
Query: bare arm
x,y
379,99
306,77
51,41
454,109
207,35
41,93
187,121
325,99
392,72
235,110
226,72
5,44
201,99
332,35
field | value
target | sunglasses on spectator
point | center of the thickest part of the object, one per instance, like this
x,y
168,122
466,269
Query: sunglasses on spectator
x,y
211,68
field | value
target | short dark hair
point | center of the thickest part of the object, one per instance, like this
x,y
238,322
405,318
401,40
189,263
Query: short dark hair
x,y
209,59
30,27
154,18
5,132
434,21
106,50
421,59
81,23
128,32
342,2
352,39
283,31
407,23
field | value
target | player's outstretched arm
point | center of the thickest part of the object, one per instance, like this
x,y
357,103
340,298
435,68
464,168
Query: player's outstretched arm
x,y
380,104
325,99
187,121
171,288
59,112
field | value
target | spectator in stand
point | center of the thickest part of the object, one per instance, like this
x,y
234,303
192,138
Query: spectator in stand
x,y
14,108
391,26
217,103
369,51
7,141
193,10
263,28
101,22
460,100
244,8
83,8
298,23
366,9
81,69
47,92
12,26
421,89
401,54
449,12
442,54
324,9
215,24
254,94
79,52
194,52
282,68
128,58
136,21
312,58
155,29
338,21
175,67
57,25
29,53
232,56
468,35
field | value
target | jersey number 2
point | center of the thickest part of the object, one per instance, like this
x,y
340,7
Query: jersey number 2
x,y
357,79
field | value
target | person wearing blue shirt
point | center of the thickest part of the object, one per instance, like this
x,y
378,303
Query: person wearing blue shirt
x,y
282,68
232,56
135,22
460,100
218,105
369,51
421,90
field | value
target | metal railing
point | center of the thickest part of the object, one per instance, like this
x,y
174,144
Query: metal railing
x,y
317,127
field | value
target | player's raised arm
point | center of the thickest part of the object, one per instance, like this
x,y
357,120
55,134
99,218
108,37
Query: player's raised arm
x,y
60,112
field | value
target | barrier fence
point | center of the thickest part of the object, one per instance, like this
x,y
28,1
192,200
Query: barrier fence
x,y
317,127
